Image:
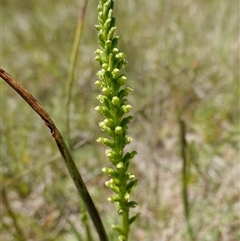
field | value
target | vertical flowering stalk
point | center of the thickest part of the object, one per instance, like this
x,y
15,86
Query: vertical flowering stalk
x,y
114,106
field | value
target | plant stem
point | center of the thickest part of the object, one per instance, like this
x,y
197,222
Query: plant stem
x,y
72,66
125,220
84,219
184,149
70,164
115,108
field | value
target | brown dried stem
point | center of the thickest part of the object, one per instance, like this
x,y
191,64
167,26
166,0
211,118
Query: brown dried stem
x,y
72,169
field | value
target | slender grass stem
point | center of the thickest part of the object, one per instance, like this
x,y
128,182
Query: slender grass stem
x,y
71,70
84,218
69,85
185,174
70,164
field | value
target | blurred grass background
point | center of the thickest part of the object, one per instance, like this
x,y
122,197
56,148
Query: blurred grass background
x,y
183,62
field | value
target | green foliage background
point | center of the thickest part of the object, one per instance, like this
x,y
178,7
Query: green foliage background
x,y
183,60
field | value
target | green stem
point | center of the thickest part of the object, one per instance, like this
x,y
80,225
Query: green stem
x,y
184,149
86,224
125,219
70,164
72,66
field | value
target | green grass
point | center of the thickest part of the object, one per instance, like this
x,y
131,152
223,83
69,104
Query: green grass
x,y
183,60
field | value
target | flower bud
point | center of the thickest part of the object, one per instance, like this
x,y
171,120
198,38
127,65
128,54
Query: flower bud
x,y
107,130
98,51
97,58
120,165
108,47
122,80
115,181
110,13
118,130
115,72
98,27
121,238
121,55
100,109
107,183
115,189
130,176
108,171
105,141
120,211
114,199
107,25
127,91
115,100
101,98
100,73
127,196
105,66
111,155
126,108
115,50
111,33
108,122
106,91
128,139
99,83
